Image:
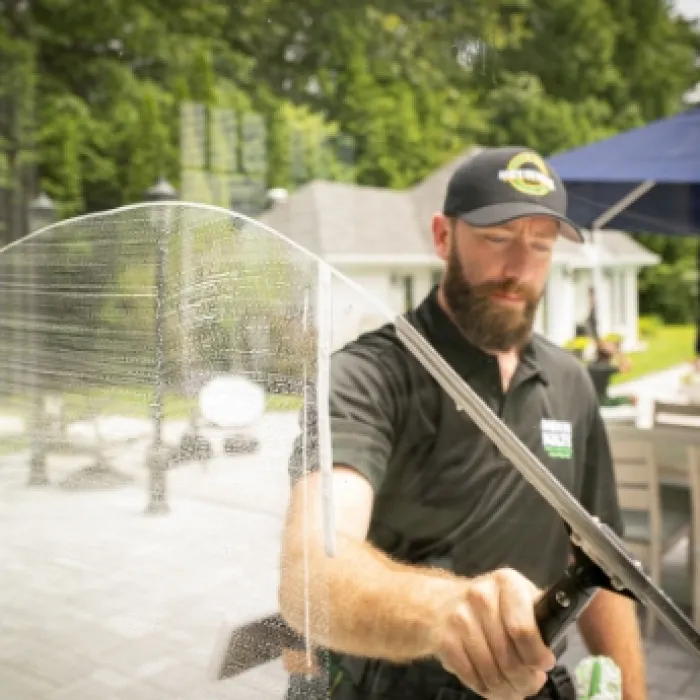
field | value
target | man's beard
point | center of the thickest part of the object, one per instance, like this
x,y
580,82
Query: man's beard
x,y
485,323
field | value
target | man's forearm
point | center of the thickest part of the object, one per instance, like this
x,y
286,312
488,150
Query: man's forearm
x,y
610,628
363,603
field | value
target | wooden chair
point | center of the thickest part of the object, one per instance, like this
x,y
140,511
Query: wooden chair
x,y
656,518
678,414
687,417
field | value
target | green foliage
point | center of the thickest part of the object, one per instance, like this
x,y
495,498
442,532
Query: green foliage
x,y
408,83
522,112
400,87
666,290
648,326
669,290
614,338
578,344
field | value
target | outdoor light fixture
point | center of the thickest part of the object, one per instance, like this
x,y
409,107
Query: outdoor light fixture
x,y
158,455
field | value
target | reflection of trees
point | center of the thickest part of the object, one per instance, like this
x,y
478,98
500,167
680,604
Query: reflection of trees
x,y
74,270
127,317
263,342
234,302
212,342
247,298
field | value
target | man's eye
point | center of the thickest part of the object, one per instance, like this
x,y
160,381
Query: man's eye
x,y
497,239
543,247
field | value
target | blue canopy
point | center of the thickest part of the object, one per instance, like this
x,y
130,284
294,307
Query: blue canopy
x,y
643,180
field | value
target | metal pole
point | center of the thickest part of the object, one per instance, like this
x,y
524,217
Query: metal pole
x,y
159,455
41,214
157,406
596,271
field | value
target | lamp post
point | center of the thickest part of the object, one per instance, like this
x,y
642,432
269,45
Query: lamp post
x,y
158,456
42,213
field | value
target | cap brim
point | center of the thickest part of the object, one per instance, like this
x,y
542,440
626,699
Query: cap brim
x,y
494,214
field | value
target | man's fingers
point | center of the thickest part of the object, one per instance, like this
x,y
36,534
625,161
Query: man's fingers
x,y
456,661
514,675
481,616
491,641
518,613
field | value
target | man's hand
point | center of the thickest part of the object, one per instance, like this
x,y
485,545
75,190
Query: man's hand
x,y
489,638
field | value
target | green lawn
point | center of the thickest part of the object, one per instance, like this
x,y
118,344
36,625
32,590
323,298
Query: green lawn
x,y
12,445
133,402
670,345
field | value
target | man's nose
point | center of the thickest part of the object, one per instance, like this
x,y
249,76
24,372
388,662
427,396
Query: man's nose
x,y
517,260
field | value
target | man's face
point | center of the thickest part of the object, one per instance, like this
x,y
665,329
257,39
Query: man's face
x,y
495,278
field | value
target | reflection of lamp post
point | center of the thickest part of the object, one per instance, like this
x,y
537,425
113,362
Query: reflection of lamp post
x,y
42,213
158,457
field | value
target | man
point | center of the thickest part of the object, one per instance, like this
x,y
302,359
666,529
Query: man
x,y
591,323
442,547
606,351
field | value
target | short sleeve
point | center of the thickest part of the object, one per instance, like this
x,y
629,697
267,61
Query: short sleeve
x,y
599,494
363,413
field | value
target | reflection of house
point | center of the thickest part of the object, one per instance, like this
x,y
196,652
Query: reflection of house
x,y
381,239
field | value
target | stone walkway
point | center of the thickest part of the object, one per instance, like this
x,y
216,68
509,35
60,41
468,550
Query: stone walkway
x,y
659,385
99,601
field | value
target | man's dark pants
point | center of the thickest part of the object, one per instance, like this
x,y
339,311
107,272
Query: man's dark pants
x,y
405,687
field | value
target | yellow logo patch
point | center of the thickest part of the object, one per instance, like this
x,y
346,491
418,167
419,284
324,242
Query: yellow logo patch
x,y
533,179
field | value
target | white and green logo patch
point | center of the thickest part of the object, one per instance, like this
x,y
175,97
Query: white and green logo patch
x,y
556,438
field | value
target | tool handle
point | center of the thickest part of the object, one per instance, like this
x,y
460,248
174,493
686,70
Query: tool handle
x,y
563,602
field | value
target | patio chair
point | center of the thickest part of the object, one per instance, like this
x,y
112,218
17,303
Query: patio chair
x,y
685,415
656,517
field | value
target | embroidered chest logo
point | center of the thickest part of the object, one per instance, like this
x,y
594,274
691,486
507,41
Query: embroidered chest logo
x,y
556,438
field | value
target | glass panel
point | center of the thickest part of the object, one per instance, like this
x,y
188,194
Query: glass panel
x,y
158,366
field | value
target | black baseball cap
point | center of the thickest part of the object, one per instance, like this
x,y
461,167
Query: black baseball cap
x,y
497,185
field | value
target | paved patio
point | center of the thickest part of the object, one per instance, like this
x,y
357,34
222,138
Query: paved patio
x,y
101,602
660,385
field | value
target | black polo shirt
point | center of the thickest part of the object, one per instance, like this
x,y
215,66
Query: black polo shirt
x,y
442,489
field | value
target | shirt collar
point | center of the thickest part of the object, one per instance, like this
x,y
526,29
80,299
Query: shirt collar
x,y
466,358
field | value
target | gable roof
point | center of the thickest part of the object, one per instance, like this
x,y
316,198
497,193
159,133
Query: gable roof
x,y
336,218
348,222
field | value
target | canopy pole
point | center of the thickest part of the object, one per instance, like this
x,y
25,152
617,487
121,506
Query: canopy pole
x,y
630,198
607,216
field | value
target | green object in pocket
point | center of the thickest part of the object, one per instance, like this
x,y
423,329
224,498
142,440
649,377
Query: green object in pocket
x,y
598,678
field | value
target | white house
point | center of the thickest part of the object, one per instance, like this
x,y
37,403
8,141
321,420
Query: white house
x,y
380,238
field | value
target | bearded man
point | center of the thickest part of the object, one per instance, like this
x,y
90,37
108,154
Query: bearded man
x,y
443,548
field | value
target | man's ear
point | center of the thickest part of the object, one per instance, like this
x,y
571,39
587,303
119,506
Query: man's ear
x,y
443,230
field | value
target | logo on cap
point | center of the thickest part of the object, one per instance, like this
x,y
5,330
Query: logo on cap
x,y
528,174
